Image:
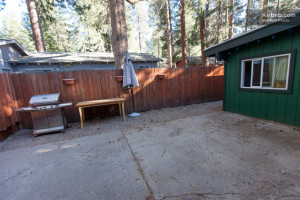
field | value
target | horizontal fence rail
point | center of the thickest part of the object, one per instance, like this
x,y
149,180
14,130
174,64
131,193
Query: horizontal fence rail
x,y
180,86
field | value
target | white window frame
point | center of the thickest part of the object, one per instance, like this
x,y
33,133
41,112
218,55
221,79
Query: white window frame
x,y
262,70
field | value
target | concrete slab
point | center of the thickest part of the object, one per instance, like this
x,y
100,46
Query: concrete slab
x,y
94,167
189,152
219,156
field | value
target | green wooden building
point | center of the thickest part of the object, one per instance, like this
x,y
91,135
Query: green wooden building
x,y
262,72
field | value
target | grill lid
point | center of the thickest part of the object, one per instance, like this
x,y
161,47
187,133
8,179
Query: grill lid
x,y
44,99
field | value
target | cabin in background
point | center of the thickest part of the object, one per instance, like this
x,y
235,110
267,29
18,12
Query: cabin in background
x,y
10,49
15,59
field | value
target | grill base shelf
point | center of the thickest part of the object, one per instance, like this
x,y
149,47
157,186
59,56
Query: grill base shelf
x,y
48,130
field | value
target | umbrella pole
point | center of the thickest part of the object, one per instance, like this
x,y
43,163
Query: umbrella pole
x,y
134,114
132,98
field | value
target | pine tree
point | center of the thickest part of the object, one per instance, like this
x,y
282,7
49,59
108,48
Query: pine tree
x,y
183,43
169,37
37,30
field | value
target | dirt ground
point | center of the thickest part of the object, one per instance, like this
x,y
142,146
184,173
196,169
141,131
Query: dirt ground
x,y
190,152
24,138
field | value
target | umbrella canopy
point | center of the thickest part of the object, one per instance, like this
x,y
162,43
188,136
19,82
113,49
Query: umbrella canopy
x,y
129,77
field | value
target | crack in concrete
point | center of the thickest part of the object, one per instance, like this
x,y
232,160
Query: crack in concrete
x,y
289,197
204,195
151,194
163,152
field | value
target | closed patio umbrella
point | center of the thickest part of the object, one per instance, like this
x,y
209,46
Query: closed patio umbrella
x,y
130,80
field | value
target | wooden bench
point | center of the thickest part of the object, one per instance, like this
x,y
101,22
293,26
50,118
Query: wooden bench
x,y
103,102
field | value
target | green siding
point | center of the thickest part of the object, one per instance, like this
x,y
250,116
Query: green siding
x,y
283,108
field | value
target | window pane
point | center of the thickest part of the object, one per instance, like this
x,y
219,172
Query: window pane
x,y
268,72
256,73
247,75
281,65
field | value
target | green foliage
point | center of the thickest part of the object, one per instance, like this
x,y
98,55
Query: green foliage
x,y
84,25
18,30
216,20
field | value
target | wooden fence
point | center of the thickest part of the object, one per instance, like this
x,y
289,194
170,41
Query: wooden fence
x,y
181,86
8,104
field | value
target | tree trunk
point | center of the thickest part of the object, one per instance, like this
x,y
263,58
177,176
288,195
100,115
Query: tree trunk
x,y
140,38
230,19
202,32
265,11
247,13
119,31
207,16
169,38
189,49
183,44
219,21
37,31
172,41
158,50
277,8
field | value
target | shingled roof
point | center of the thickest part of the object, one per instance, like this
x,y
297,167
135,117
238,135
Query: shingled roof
x,y
80,58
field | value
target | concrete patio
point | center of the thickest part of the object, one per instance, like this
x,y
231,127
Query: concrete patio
x,y
190,152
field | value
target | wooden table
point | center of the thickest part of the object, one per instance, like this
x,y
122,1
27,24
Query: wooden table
x,y
103,102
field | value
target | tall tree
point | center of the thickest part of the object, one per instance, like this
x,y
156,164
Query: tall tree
x,y
247,15
140,35
183,43
141,18
207,18
169,39
202,30
37,31
119,31
219,13
230,20
265,11
171,30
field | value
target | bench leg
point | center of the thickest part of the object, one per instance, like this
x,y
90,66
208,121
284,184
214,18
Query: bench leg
x,y
81,119
123,108
120,109
83,114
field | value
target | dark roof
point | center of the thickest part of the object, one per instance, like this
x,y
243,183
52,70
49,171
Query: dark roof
x,y
252,35
80,58
15,44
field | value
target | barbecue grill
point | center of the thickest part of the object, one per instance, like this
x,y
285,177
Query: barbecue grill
x,y
47,113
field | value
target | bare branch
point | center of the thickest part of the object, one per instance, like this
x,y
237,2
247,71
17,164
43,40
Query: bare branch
x,y
134,1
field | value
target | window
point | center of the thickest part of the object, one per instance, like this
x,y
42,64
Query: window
x,y
268,72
